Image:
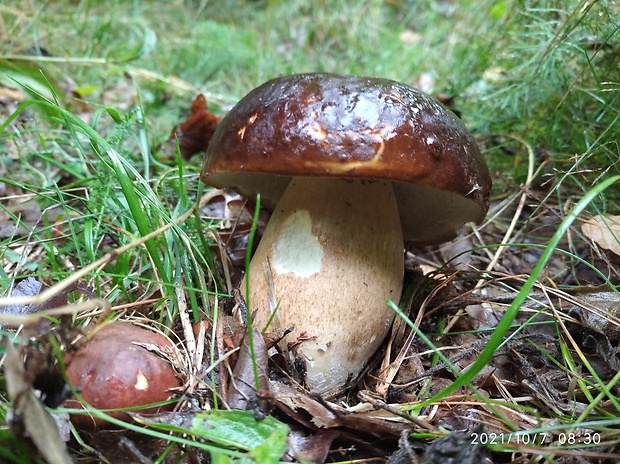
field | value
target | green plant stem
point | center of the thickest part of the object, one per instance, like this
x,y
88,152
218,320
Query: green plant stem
x,y
248,255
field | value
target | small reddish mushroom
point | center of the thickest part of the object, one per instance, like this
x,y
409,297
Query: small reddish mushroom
x,y
353,168
115,370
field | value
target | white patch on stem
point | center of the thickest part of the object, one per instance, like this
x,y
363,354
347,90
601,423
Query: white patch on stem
x,y
297,249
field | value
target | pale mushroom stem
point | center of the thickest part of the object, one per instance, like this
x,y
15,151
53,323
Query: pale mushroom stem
x,y
330,257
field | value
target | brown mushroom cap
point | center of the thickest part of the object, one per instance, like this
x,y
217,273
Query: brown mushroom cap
x,y
114,371
324,125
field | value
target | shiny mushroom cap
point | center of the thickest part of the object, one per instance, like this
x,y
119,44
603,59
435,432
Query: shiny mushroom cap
x,y
329,125
120,368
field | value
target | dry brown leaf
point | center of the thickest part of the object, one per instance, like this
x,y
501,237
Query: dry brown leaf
x,y
314,447
31,287
316,413
242,393
604,230
195,133
34,420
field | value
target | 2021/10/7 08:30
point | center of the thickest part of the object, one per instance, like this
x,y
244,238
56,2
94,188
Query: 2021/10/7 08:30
x,y
492,438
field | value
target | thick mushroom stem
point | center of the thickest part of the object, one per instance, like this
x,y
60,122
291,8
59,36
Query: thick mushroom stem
x,y
330,257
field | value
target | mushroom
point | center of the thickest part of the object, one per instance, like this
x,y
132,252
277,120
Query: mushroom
x,y
352,168
118,369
